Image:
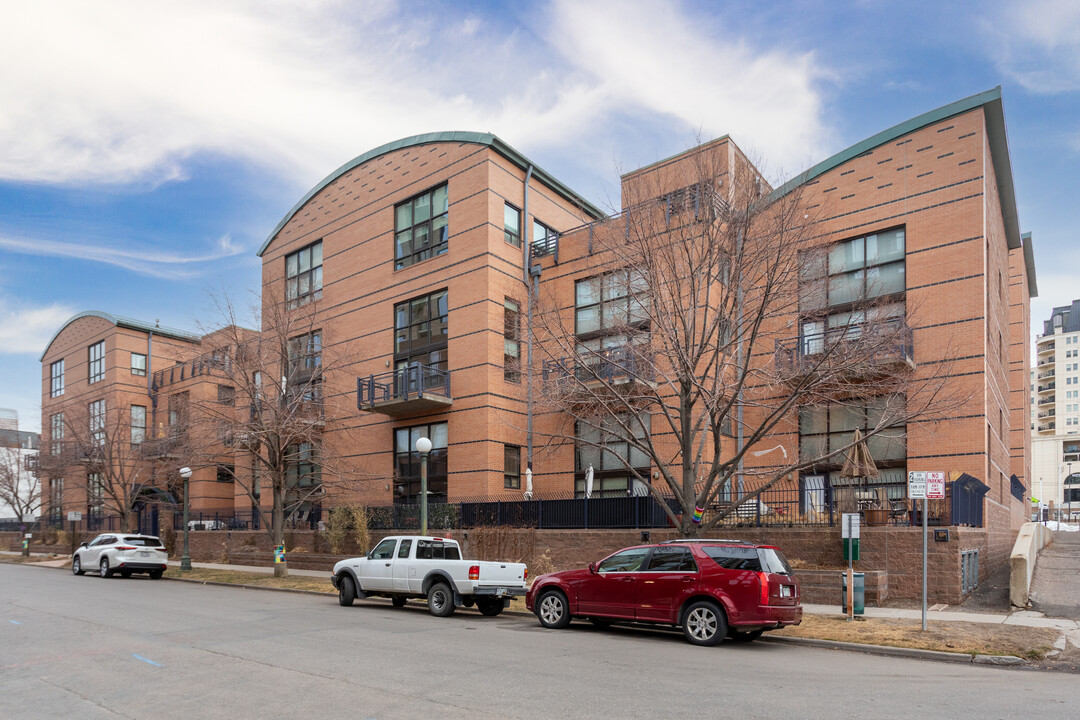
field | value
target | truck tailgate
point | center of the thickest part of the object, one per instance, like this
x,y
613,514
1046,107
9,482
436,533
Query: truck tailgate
x,y
510,575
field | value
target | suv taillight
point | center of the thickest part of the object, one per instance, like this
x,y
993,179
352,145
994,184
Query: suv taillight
x,y
474,572
125,547
763,578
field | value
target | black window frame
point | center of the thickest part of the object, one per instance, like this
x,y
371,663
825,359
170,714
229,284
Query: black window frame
x,y
512,236
295,277
433,323
56,379
511,340
511,467
831,466
95,413
407,463
614,481
545,239
434,223
137,369
137,438
226,473
95,362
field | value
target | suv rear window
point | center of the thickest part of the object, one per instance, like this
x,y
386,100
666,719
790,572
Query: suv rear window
x,y
734,558
429,550
142,540
773,561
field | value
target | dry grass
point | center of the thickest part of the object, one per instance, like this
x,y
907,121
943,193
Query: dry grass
x,y
236,577
956,637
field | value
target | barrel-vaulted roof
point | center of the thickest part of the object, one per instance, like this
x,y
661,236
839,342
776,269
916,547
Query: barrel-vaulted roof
x,y
123,322
458,136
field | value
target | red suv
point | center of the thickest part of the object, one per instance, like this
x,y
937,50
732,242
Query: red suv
x,y
712,588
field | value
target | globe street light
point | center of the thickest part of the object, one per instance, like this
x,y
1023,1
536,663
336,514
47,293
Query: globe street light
x,y
423,446
185,559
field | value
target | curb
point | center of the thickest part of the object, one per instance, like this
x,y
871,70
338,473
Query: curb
x,y
913,653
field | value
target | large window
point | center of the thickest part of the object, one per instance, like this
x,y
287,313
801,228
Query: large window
x,y
303,275
303,469
603,445
305,356
97,423
407,463
56,379
512,467
511,340
56,433
96,362
827,428
611,315
178,414
226,473
512,225
420,331
95,495
858,282
420,230
544,239
138,364
138,424
56,498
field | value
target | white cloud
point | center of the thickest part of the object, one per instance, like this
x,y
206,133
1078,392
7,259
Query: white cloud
x,y
154,263
1037,43
130,90
26,329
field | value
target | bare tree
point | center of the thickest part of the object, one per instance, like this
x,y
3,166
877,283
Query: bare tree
x,y
103,456
20,488
692,347
285,389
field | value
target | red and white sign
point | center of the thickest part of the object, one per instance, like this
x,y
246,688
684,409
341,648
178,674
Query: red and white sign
x,y
935,485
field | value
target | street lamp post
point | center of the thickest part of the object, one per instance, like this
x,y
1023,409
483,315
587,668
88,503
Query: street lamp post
x,y
185,559
423,446
1065,494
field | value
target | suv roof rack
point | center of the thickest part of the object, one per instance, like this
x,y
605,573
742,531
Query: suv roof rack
x,y
708,540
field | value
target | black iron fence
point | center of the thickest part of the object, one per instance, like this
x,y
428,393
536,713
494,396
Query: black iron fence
x,y
402,384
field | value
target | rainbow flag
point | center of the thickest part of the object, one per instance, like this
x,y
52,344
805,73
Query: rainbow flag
x,y
698,512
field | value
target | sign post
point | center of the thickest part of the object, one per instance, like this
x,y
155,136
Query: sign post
x,y
925,486
74,517
849,531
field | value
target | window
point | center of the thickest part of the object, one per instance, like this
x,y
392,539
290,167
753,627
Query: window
x,y
512,225
827,428
303,469
384,550
512,467
734,558
305,357
226,395
420,331
511,340
602,445
96,366
612,323
56,379
420,229
56,433
97,423
178,410
544,240
95,495
624,561
407,463
671,559
834,289
138,424
303,275
138,364
56,497
436,550
226,473
406,546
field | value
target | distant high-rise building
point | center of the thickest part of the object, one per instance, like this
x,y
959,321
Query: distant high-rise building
x,y
1055,409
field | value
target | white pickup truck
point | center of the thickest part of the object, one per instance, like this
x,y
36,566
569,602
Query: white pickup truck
x,y
413,566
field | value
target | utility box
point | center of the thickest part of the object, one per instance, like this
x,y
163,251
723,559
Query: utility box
x,y
859,594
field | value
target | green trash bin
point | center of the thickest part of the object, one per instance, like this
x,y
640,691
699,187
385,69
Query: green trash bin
x,y
859,593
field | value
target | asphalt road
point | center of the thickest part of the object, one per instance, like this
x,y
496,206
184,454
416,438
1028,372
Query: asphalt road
x,y
91,648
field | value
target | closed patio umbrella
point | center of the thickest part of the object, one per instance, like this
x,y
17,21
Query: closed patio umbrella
x,y
588,482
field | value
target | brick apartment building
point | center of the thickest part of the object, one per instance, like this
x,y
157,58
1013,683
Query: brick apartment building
x,y
417,266
116,398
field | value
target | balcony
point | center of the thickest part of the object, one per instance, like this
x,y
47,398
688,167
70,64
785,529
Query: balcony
x,y
617,366
1046,427
1046,361
1048,387
1048,400
89,454
1047,414
414,389
163,448
891,344
1046,347
1048,373
202,365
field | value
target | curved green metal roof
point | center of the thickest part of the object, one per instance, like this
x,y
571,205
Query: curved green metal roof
x,y
458,136
123,322
990,102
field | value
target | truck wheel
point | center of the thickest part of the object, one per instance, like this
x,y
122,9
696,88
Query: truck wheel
x,y
704,623
489,608
398,601
440,600
552,610
346,591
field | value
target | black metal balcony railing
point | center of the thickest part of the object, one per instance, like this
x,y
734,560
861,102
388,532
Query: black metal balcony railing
x,y
1048,414
891,340
163,447
416,387
202,365
1046,361
1047,387
1045,374
541,247
1044,427
626,364
1046,348
1048,400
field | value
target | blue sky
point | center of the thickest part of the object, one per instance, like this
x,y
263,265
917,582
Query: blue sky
x,y
147,149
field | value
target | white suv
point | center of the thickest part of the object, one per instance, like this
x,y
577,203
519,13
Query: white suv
x,y
122,553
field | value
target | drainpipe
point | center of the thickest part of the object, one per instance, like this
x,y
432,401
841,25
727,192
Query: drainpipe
x,y
739,359
526,254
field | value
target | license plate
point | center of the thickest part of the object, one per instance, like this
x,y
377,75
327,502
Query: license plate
x,y
786,591
500,592
144,554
